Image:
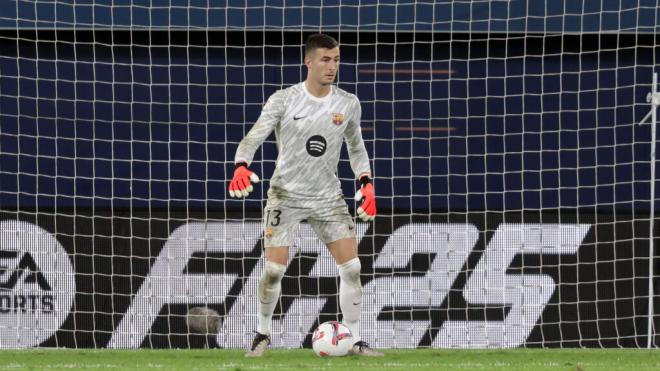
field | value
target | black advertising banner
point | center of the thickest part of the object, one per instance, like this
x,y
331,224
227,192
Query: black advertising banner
x,y
459,280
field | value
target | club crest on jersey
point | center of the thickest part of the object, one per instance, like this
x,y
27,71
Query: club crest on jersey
x,y
337,118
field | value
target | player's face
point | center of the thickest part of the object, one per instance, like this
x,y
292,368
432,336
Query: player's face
x,y
323,65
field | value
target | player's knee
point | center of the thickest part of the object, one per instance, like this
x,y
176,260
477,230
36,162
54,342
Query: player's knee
x,y
272,274
350,272
270,282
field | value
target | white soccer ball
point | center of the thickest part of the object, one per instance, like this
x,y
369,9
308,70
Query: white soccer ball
x,y
332,339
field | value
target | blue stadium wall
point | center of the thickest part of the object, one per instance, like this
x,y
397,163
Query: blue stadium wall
x,y
148,118
531,121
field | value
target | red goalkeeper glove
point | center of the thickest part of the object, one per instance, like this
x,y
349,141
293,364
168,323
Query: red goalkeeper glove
x,y
366,211
241,184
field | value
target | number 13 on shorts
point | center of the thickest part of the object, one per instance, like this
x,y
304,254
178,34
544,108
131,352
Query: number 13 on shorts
x,y
273,219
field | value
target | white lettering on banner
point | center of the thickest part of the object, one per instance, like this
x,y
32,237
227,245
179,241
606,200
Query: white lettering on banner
x,y
167,282
37,284
291,329
525,294
435,252
449,243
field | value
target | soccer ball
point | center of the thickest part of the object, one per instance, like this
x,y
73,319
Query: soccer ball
x,y
332,339
203,320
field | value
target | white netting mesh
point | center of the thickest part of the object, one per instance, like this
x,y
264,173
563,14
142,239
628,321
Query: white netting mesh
x,y
512,182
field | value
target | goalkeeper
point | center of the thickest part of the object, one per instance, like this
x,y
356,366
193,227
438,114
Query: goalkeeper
x,y
310,120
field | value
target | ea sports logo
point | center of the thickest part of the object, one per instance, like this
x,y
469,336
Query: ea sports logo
x,y
37,284
316,146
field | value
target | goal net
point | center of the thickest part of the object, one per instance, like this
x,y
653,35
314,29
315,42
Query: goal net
x,y
513,183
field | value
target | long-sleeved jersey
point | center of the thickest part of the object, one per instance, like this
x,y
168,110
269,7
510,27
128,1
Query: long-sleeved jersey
x,y
309,132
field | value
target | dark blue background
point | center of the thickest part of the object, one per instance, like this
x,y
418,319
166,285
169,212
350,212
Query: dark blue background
x,y
152,119
639,16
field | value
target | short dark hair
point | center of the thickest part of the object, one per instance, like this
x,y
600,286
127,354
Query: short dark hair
x,y
319,40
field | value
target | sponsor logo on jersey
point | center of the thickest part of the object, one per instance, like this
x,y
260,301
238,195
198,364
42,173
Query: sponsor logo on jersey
x,y
337,118
316,146
37,284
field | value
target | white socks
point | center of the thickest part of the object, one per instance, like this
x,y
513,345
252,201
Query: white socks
x,y
350,295
270,285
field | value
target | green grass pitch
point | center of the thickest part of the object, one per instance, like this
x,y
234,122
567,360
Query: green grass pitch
x,y
305,359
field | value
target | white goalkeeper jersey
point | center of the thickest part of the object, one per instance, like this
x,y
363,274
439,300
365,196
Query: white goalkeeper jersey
x,y
309,133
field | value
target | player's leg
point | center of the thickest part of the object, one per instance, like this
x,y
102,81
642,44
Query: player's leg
x,y
336,229
279,228
350,291
269,288
344,251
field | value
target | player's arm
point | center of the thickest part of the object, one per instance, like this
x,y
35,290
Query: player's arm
x,y
241,183
359,158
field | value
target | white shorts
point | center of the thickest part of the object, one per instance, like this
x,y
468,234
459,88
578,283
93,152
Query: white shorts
x,y
331,221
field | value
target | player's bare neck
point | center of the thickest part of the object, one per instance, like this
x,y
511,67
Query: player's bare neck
x,y
316,89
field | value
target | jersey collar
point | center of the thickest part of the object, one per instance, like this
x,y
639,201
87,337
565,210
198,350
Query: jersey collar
x,y
317,99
